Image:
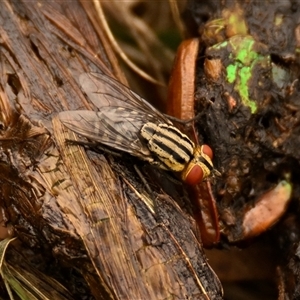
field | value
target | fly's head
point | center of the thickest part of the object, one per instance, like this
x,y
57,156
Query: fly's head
x,y
200,167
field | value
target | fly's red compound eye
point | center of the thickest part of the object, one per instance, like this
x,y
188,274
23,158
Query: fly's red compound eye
x,y
193,175
199,167
208,151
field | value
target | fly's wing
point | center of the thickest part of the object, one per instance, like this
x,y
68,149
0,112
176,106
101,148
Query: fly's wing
x,y
113,127
120,116
105,91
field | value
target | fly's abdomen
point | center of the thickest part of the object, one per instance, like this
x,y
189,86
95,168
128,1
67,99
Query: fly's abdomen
x,y
173,148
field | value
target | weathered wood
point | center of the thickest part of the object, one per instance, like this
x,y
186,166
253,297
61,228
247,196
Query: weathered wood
x,y
81,207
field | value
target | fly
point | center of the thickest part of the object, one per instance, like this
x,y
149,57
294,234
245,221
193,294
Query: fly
x,y
126,122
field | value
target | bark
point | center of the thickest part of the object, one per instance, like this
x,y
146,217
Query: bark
x,y
85,210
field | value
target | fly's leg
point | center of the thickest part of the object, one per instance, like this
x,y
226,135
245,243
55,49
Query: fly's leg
x,y
142,177
151,193
184,122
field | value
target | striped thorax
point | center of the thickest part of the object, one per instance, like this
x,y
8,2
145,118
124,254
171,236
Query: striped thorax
x,y
173,148
177,152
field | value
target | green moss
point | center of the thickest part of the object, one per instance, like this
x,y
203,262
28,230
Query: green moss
x,y
231,73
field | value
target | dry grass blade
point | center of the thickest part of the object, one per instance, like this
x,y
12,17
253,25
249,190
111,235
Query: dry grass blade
x,y
25,280
143,35
176,16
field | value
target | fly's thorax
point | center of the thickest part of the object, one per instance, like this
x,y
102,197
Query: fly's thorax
x,y
173,148
200,166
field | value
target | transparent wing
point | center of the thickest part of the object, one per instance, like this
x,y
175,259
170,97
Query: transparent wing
x,y
104,91
120,116
107,127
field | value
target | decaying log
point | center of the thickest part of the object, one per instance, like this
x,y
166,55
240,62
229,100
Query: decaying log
x,y
86,210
